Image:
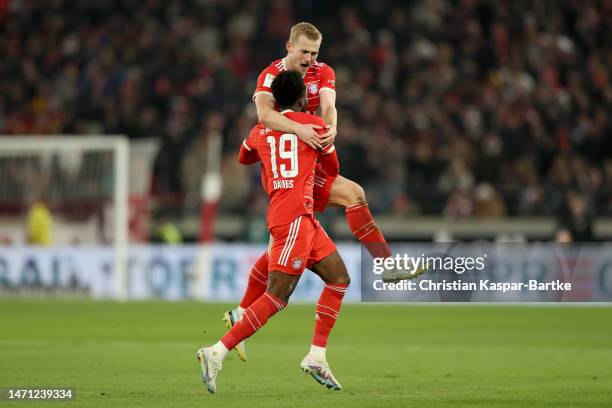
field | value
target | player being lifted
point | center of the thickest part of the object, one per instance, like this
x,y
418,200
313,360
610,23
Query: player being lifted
x,y
297,239
329,190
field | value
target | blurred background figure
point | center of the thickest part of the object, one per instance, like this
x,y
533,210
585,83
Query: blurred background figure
x,y
169,234
40,224
576,219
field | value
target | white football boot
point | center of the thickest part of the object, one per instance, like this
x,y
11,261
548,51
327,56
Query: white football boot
x,y
320,371
211,365
231,317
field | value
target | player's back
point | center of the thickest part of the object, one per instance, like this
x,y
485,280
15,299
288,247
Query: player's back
x,y
289,165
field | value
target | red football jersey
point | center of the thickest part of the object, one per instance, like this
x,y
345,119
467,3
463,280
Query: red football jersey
x,y
288,167
319,77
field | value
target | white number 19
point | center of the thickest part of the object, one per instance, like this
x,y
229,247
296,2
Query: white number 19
x,y
284,153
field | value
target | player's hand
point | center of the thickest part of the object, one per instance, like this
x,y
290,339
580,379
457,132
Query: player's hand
x,y
308,134
329,137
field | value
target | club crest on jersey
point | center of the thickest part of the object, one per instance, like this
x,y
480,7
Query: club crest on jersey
x,y
297,262
313,88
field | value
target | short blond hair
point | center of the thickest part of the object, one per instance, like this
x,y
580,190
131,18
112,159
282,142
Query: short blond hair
x,y
307,30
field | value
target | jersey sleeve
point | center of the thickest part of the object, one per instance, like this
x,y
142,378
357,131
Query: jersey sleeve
x,y
328,79
264,82
329,160
328,155
248,151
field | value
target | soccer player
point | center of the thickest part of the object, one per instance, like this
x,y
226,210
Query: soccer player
x,y
297,239
329,190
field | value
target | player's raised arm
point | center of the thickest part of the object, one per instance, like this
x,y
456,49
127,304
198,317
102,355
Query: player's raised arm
x,y
329,160
329,157
327,103
272,119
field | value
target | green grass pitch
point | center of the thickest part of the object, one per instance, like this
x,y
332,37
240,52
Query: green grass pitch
x,y
141,354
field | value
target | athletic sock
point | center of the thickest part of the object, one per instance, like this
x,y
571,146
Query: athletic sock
x,y
318,353
219,350
327,311
364,228
258,282
254,317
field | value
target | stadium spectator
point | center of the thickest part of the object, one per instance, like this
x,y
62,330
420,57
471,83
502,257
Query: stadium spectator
x,y
576,219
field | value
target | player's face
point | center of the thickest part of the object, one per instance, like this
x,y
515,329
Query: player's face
x,y
302,53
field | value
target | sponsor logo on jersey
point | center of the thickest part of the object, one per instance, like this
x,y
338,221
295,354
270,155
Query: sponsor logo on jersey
x,y
332,82
296,263
313,88
268,80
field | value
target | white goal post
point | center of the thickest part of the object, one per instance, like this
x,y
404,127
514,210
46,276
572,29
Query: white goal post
x,y
74,147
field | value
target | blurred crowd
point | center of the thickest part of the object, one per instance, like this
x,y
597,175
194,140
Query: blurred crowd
x,y
462,108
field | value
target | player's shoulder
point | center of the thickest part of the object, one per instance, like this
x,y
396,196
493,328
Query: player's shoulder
x,y
319,67
275,67
257,131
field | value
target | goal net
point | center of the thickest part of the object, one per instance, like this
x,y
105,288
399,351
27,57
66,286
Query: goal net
x,y
66,191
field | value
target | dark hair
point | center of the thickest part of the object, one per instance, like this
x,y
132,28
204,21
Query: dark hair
x,y
287,88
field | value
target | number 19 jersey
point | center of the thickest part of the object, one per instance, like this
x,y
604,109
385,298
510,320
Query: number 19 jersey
x,y
288,168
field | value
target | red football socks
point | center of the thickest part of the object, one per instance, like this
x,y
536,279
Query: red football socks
x,y
253,318
364,228
327,311
258,281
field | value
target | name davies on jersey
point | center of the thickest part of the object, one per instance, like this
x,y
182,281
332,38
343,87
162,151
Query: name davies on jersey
x,y
280,184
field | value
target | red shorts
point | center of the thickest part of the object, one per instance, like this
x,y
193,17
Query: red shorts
x,y
298,245
322,186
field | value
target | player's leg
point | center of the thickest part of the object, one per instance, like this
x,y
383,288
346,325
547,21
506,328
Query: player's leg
x,y
333,272
257,283
326,262
350,195
342,192
256,286
280,287
290,245
336,278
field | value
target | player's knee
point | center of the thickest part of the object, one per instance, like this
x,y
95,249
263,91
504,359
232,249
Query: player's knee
x,y
281,285
343,279
282,293
341,276
355,193
348,193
